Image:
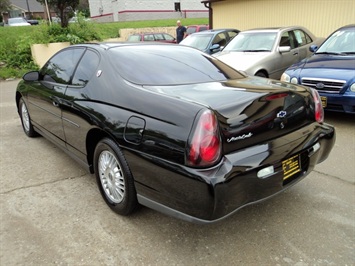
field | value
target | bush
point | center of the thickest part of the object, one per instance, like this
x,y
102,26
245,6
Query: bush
x,y
15,44
21,57
15,49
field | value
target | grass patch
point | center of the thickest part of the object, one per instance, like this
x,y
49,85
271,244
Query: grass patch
x,y
15,45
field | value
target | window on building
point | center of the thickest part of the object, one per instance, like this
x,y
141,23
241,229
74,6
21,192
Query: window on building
x,y
177,6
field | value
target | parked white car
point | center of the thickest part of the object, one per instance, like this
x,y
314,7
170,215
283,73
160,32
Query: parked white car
x,y
20,21
268,52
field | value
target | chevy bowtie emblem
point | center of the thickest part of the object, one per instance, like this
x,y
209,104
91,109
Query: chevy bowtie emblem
x,y
281,114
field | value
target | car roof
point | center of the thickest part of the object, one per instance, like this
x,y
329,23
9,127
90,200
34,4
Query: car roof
x,y
108,45
274,29
149,33
214,31
202,25
347,27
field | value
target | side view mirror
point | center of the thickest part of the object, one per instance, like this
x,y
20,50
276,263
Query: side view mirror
x,y
284,49
313,48
215,48
31,76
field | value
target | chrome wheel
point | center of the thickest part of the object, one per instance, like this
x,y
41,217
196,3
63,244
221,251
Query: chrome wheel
x,y
25,118
111,176
114,177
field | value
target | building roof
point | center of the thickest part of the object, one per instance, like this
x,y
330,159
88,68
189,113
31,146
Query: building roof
x,y
33,5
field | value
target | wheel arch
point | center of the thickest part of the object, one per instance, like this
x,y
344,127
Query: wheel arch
x,y
18,97
92,139
262,71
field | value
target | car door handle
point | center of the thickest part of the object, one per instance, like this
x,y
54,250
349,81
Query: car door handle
x,y
295,53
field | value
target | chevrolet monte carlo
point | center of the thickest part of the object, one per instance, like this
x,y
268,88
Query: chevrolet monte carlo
x,y
174,129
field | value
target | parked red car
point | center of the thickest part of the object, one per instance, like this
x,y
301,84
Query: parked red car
x,y
196,28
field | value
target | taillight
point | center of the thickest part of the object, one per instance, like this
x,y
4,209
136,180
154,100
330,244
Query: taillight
x,y
276,96
319,112
204,145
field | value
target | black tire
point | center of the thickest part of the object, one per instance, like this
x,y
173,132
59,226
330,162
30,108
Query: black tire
x,y
261,74
110,165
26,119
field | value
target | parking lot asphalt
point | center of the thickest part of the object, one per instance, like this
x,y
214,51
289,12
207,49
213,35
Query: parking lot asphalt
x,y
52,213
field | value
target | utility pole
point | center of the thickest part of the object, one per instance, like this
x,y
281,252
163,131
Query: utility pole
x,y
48,13
28,10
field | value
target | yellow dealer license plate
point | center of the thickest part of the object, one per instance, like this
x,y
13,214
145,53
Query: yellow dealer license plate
x,y
291,166
324,101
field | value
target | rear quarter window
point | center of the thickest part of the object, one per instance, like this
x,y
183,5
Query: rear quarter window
x,y
302,38
86,68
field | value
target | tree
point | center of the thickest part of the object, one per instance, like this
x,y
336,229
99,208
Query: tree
x,y
5,6
64,9
83,7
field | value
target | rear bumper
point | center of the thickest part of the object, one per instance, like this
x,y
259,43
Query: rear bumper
x,y
207,196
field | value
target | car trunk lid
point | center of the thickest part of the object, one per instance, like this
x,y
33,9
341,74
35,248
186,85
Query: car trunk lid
x,y
250,110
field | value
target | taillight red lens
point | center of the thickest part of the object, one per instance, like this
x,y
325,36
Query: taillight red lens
x,y
319,112
276,96
204,147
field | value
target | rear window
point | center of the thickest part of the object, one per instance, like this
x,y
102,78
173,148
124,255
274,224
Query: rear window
x,y
191,30
202,28
168,65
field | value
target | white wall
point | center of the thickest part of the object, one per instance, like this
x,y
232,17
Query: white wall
x,y
128,10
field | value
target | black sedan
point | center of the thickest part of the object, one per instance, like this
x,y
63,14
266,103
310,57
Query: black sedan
x,y
174,129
